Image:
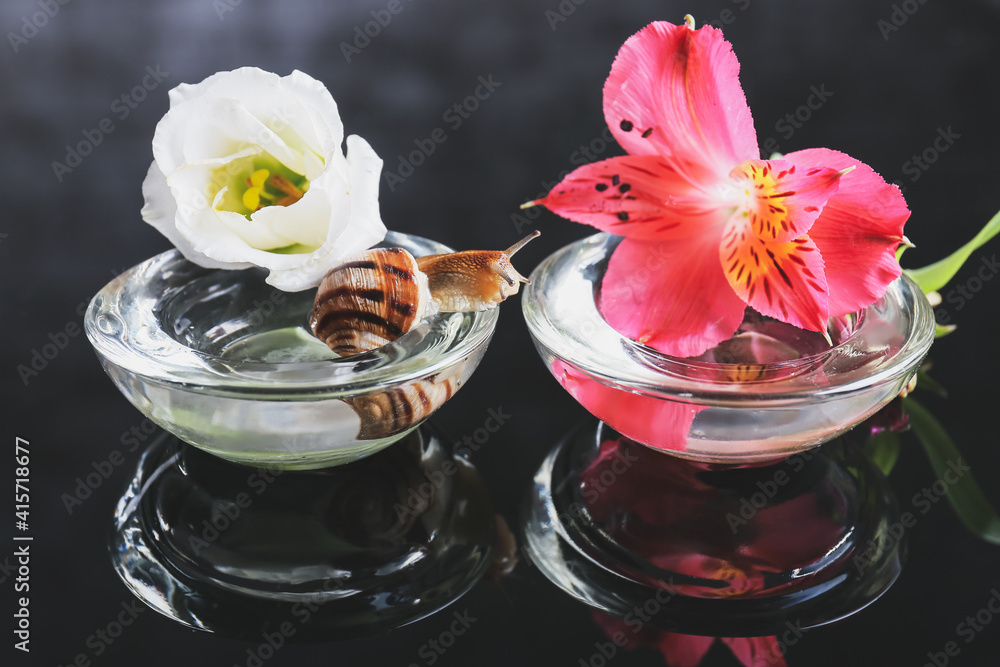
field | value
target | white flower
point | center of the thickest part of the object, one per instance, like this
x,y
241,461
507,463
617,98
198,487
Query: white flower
x,y
248,170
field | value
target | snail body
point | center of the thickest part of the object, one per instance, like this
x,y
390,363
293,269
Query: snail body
x,y
381,294
473,280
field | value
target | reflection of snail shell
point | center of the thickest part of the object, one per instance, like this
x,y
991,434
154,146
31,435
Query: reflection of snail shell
x,y
393,411
381,294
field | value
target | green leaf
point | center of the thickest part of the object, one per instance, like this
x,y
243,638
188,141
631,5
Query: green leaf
x,y
964,495
883,450
925,381
933,277
942,330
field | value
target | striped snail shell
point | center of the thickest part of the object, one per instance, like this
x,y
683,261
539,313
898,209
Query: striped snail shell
x,y
369,301
382,293
399,408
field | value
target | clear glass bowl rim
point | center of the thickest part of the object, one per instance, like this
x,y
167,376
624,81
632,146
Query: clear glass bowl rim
x,y
659,383
174,363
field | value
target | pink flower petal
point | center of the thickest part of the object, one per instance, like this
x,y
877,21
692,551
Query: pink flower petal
x,y
786,281
651,421
675,92
636,196
684,650
633,637
671,295
858,231
783,200
756,651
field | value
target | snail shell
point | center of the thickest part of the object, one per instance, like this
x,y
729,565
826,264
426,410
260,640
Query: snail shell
x,y
381,294
393,411
369,301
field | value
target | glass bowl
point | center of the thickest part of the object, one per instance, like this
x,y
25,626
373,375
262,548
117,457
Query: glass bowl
x,y
769,392
226,362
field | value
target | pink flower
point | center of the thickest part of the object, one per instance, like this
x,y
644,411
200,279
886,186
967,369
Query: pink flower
x,y
801,238
689,650
659,423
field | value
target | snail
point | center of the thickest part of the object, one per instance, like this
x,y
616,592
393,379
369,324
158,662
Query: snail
x,y
395,410
381,294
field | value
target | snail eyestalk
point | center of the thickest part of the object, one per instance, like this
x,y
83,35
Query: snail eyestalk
x,y
520,244
383,293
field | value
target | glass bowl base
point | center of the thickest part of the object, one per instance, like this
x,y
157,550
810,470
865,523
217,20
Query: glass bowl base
x,y
326,554
712,549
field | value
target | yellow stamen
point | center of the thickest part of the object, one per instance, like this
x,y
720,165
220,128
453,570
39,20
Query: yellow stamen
x,y
259,178
255,189
251,198
689,21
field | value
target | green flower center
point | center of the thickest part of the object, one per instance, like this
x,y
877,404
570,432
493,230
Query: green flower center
x,y
256,181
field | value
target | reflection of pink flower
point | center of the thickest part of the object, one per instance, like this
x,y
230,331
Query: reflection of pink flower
x,y
689,650
714,227
660,508
663,424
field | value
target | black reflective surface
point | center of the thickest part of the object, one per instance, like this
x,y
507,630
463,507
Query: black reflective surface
x,y
324,554
917,101
713,549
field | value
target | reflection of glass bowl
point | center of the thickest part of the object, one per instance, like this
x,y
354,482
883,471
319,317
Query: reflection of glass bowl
x,y
337,553
226,362
771,391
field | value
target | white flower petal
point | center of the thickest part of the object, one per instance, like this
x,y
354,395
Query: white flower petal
x,y
363,228
160,210
201,147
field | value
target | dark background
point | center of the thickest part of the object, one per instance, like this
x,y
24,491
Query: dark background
x,y
61,241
